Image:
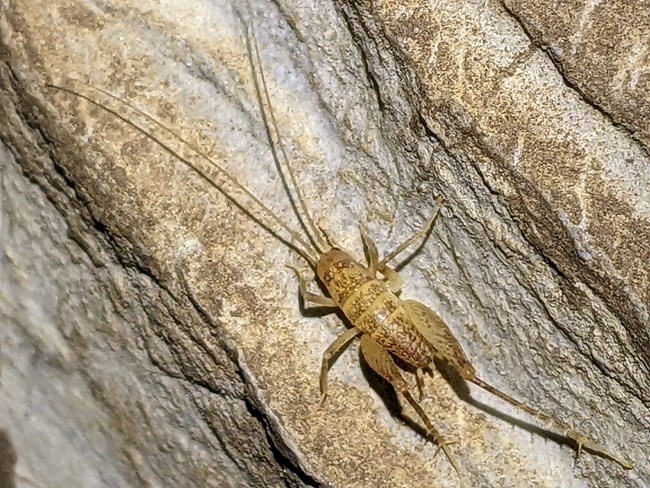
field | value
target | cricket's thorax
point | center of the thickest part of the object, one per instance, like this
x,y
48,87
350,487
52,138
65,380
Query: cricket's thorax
x,y
373,308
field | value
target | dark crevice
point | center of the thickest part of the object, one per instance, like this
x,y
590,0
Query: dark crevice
x,y
630,321
8,459
205,386
551,263
284,462
370,76
605,288
278,454
486,183
54,189
250,400
627,383
431,135
566,332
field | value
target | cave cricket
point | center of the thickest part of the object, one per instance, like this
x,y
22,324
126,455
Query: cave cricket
x,y
388,326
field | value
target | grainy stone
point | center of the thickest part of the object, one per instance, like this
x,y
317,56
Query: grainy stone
x,y
538,263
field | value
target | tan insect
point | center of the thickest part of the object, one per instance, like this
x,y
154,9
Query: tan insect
x,y
366,293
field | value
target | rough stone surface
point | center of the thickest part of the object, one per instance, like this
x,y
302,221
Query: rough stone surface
x,y
150,330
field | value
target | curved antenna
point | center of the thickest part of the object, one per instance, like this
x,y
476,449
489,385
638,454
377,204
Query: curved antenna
x,y
304,251
315,236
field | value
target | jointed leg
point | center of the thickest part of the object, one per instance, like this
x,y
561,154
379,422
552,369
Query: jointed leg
x,y
580,439
372,255
392,277
333,349
308,296
380,361
436,332
420,383
418,235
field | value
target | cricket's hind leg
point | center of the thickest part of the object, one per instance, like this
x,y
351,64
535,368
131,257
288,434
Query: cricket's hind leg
x,y
382,363
436,332
581,440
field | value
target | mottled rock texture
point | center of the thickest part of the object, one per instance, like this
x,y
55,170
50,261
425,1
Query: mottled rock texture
x,y
150,332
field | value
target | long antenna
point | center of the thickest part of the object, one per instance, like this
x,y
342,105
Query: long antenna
x,y
304,251
315,235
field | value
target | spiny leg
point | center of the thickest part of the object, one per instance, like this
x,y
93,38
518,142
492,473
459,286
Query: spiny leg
x,y
566,430
380,361
308,296
422,233
392,277
372,255
333,349
420,383
447,348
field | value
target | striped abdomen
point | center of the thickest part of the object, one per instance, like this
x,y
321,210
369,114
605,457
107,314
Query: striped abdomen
x,y
373,308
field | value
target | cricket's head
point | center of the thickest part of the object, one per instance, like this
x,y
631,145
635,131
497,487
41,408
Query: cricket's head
x,y
330,261
341,274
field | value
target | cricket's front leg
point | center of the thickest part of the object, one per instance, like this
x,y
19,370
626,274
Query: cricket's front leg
x,y
310,297
391,277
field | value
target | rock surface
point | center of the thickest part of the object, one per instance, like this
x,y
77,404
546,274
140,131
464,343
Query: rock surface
x,y
150,330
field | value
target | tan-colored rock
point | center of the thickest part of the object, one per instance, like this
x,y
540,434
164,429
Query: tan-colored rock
x,y
154,336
